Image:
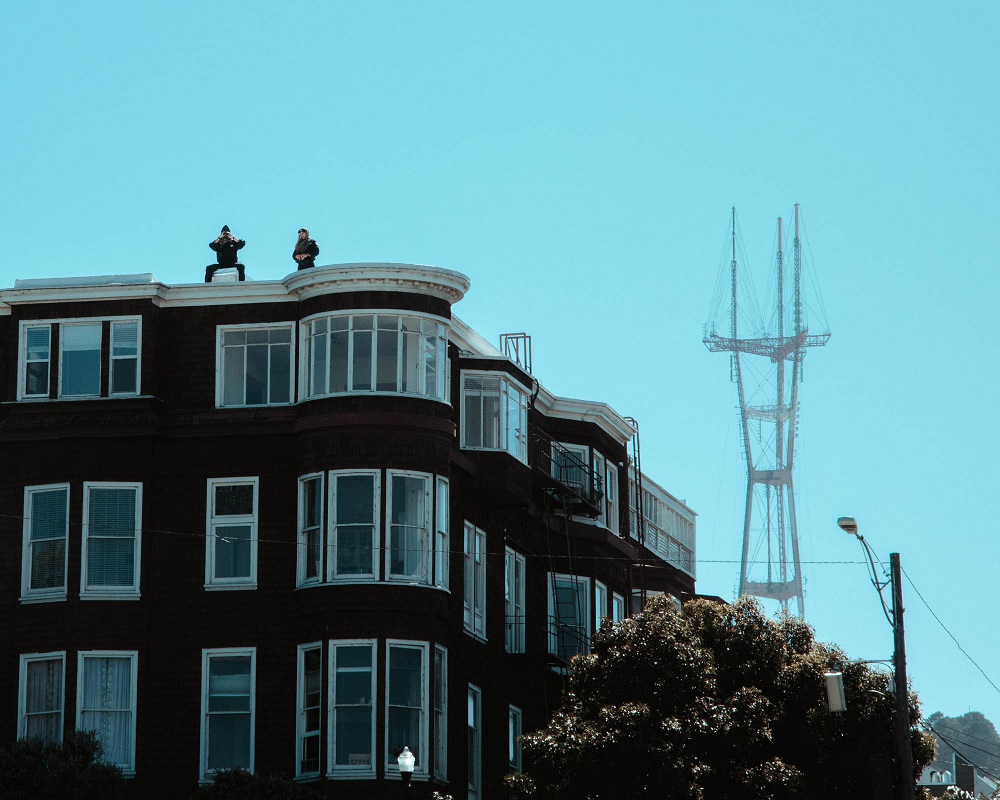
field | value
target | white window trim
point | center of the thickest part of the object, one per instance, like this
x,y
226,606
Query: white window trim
x,y
583,590
303,545
22,690
330,533
391,767
133,656
300,696
441,746
474,595
424,578
505,381
22,361
515,728
112,359
514,623
29,595
220,363
206,656
37,323
475,777
600,608
442,533
111,592
617,608
599,465
612,519
347,771
305,362
211,521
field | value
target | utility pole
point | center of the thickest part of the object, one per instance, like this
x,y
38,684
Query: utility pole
x,y
904,749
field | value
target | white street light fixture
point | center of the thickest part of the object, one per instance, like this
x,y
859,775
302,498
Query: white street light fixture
x,y
406,761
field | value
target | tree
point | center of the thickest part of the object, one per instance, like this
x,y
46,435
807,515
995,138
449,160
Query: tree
x,y
238,784
31,769
712,702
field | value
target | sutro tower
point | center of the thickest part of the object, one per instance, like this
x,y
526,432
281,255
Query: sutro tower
x,y
770,566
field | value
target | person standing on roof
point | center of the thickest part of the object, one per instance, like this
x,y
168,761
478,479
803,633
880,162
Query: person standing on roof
x,y
225,247
305,250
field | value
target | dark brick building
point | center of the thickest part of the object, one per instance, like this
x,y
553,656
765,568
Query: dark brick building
x,y
297,525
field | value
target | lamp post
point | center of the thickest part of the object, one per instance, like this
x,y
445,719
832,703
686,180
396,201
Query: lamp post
x,y
406,761
904,749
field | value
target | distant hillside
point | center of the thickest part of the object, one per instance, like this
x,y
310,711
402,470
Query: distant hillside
x,y
972,735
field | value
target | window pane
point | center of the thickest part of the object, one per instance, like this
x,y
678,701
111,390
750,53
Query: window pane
x,y
362,360
354,736
105,705
81,359
256,371
233,376
124,338
123,375
338,361
233,545
388,359
318,343
281,388
43,700
234,500
36,381
111,535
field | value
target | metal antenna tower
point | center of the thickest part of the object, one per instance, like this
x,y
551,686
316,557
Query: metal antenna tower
x,y
768,433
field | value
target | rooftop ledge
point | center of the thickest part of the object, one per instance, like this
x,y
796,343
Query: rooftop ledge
x,y
445,284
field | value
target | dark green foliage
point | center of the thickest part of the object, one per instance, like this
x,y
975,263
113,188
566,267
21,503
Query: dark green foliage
x,y
238,784
714,702
973,735
33,770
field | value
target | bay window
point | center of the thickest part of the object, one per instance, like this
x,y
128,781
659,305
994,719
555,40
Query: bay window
x,y
406,703
494,414
354,529
352,708
388,353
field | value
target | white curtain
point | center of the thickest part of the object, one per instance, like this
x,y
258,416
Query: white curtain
x,y
106,705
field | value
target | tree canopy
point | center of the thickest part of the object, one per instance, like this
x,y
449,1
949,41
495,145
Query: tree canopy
x,y
712,702
31,769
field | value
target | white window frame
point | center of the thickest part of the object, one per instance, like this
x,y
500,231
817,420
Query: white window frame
x,y
214,521
474,581
474,722
220,364
583,592
514,600
302,710
420,770
332,540
617,608
599,466
46,594
103,391
302,560
582,452
611,504
442,533
424,576
515,727
510,395
98,592
128,768
207,655
22,691
440,392
333,770
600,604
440,713
114,360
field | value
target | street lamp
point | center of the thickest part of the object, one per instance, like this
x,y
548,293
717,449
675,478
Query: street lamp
x,y
904,750
406,761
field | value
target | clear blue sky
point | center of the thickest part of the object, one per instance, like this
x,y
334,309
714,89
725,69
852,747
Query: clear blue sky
x,y
578,162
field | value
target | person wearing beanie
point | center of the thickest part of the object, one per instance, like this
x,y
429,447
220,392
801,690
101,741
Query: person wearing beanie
x,y
305,250
225,247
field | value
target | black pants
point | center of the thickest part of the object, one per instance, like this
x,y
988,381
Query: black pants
x,y
211,268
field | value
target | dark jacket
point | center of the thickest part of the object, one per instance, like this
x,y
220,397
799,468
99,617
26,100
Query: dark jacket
x,y
310,248
225,252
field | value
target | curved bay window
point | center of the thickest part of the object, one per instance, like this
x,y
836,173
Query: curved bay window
x,y
376,353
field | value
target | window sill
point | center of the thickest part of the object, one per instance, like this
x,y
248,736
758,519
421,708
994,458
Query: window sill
x,y
351,776
477,636
109,596
43,598
231,587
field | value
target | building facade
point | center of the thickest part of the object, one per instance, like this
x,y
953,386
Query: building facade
x,y
294,526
